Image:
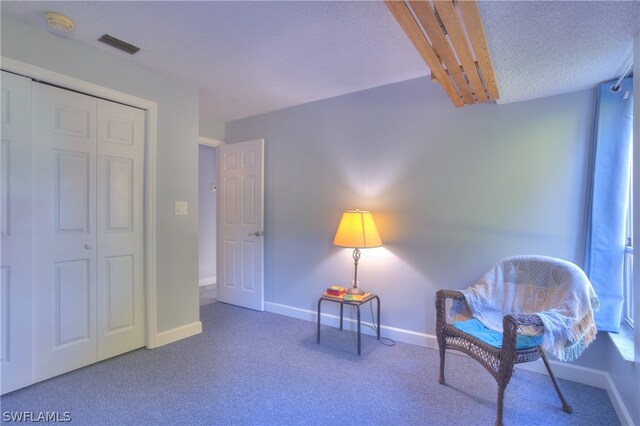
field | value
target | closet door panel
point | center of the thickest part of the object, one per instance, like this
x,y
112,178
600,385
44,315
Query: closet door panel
x,y
15,212
64,226
121,319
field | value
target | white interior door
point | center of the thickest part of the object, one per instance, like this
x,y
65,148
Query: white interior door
x,y
15,177
64,227
120,234
241,212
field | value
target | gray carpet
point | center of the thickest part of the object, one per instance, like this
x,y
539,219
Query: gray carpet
x,y
261,368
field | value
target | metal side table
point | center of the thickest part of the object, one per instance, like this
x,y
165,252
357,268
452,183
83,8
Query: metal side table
x,y
357,304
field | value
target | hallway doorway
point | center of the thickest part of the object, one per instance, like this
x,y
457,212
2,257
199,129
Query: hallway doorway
x,y
207,218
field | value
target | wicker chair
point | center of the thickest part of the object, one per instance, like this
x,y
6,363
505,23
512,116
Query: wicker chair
x,y
498,361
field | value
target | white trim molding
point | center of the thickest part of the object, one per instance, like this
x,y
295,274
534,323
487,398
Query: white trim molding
x,y
207,281
209,142
399,334
618,403
636,195
575,373
587,376
178,333
32,71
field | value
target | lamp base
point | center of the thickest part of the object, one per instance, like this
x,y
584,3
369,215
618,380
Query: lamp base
x,y
355,290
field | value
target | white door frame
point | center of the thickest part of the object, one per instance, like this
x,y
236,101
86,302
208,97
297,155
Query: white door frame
x,y
209,142
213,143
151,108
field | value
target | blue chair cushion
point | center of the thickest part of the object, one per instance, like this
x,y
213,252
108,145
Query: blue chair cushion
x,y
494,338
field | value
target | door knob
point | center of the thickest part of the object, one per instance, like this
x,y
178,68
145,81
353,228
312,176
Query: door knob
x,y
257,234
88,246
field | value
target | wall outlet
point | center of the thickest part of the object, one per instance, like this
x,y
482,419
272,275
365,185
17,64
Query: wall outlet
x,y
182,208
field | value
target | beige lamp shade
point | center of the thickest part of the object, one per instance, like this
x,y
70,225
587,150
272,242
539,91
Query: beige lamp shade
x,y
357,230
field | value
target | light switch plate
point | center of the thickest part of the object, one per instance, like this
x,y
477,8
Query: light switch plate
x,y
182,208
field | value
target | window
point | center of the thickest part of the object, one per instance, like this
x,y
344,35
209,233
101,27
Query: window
x,y
627,309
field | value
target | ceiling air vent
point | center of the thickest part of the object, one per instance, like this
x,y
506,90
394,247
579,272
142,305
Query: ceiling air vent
x,y
119,44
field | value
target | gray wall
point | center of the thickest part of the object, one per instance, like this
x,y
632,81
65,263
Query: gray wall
x,y
207,176
210,128
452,191
177,153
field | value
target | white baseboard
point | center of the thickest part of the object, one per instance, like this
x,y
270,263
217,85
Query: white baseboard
x,y
175,334
575,373
618,403
401,335
208,281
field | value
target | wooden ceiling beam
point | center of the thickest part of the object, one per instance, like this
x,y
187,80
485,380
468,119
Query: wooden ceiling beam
x,y
435,80
427,17
404,17
471,16
449,36
449,18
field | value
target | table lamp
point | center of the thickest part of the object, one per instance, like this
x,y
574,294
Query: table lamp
x,y
357,230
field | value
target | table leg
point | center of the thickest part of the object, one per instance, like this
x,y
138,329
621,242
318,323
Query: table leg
x,y
341,315
359,337
379,322
318,330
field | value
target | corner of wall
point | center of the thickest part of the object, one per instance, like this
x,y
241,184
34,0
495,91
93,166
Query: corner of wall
x,y
211,128
636,195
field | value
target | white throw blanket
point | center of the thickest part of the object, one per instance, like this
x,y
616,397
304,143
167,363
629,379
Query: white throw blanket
x,y
557,291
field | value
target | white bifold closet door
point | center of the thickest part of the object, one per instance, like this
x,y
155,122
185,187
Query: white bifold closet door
x,y
88,159
16,291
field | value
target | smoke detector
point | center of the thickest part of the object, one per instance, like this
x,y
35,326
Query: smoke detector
x,y
59,22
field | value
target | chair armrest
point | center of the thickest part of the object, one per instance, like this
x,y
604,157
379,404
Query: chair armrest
x,y
449,294
441,298
511,323
523,319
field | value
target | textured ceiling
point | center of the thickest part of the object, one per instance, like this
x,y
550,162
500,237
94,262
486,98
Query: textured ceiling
x,y
253,57
542,48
